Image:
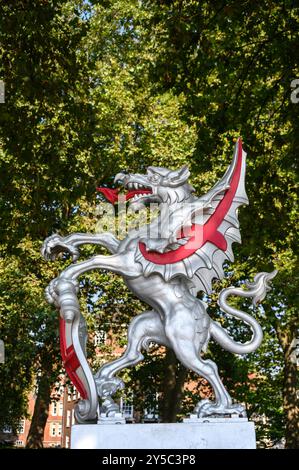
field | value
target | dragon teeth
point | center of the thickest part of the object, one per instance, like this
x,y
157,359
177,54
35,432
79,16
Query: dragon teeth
x,y
138,196
134,185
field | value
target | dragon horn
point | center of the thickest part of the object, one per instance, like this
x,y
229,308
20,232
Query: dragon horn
x,y
178,177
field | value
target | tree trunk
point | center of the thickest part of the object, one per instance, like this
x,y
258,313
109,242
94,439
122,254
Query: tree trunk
x,y
287,338
173,386
40,415
45,381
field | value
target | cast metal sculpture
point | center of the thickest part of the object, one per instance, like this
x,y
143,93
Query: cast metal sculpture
x,y
164,263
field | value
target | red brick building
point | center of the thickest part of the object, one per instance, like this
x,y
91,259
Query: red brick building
x,y
60,419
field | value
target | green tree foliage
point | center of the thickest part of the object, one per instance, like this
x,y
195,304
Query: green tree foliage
x,y
94,87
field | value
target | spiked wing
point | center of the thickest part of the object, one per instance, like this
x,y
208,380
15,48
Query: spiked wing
x,y
210,236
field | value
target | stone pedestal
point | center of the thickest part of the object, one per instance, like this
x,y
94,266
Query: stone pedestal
x,y
202,434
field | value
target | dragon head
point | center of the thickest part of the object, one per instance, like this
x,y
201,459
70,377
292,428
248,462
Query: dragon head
x,y
158,185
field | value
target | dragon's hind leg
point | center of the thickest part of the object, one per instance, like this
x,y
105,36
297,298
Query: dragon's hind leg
x,y
223,403
208,369
184,341
145,328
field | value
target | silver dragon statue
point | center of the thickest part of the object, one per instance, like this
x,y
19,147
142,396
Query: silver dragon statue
x,y
164,263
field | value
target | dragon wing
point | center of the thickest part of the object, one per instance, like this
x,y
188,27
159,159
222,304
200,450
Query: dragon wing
x,y
215,226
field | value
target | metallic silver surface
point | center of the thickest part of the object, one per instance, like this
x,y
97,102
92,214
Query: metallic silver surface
x,y
161,267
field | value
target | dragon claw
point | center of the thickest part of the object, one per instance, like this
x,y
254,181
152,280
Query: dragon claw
x,y
109,407
54,245
108,386
207,408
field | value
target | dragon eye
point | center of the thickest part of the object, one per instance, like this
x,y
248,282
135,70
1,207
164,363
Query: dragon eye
x,y
155,178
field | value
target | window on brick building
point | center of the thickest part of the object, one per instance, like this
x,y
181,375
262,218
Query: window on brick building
x,y
59,429
21,428
100,338
60,408
53,429
54,408
19,443
68,418
7,429
126,408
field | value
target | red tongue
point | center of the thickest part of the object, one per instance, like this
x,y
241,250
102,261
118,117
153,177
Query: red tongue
x,y
112,194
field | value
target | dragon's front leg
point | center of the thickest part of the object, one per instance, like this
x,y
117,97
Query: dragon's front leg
x,y
65,297
56,244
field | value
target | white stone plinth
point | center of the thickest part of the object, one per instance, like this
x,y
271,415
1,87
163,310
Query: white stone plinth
x,y
226,434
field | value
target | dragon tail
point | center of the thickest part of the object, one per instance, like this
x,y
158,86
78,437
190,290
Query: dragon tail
x,y
257,290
